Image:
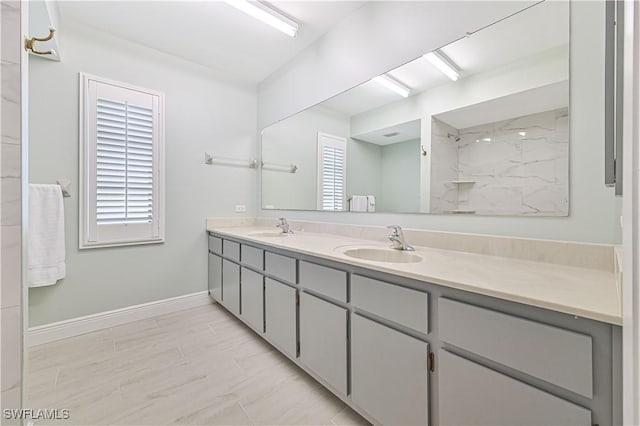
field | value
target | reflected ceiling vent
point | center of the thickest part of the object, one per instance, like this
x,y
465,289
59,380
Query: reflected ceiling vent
x,y
390,135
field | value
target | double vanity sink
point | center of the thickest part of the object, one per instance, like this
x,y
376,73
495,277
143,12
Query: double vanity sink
x,y
428,336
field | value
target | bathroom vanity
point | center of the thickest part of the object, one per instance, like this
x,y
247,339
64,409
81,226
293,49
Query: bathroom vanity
x,y
401,349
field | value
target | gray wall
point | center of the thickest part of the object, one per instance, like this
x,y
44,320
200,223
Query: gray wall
x,y
11,331
295,140
372,41
364,162
202,114
400,177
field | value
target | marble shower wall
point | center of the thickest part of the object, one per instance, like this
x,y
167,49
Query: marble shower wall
x,y
444,167
11,329
519,167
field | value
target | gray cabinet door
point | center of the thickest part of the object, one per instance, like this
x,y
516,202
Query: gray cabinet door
x,y
323,340
389,373
252,298
471,394
215,277
280,315
231,286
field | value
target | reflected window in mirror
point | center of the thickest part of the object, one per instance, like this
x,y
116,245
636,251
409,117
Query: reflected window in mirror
x,y
332,153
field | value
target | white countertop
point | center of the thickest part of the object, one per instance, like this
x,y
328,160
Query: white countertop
x,y
588,293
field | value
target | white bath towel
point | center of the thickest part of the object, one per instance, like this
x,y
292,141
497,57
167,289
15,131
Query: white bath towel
x,y
358,203
45,248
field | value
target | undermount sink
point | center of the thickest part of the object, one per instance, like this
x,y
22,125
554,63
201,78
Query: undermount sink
x,y
383,255
268,234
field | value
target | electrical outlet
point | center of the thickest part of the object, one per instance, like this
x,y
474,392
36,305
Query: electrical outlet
x,y
241,208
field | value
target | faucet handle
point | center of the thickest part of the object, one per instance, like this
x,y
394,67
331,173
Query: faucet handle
x,y
397,229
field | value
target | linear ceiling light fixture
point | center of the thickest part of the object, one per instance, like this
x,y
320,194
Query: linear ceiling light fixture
x,y
443,63
266,13
393,85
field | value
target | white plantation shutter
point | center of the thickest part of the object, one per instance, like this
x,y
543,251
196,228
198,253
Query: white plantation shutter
x,y
124,163
332,157
122,149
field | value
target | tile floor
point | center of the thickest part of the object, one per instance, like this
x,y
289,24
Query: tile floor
x,y
198,366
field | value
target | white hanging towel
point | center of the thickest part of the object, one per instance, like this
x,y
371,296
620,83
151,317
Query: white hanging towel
x,y
45,248
358,203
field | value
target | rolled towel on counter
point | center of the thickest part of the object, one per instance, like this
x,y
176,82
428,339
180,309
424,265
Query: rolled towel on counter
x,y
358,203
45,247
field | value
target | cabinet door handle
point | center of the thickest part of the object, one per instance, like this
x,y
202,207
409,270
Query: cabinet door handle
x,y
431,362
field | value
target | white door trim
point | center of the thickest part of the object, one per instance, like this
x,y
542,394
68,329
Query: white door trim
x,y
631,217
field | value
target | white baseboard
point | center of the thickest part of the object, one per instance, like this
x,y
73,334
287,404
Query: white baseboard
x,y
76,326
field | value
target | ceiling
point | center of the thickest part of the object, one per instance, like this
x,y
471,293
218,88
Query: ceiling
x,y
534,31
545,98
393,134
211,33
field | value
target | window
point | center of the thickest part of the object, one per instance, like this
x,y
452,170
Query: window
x,y
332,157
121,164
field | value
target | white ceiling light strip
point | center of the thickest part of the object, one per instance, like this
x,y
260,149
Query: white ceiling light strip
x,y
393,85
267,14
443,63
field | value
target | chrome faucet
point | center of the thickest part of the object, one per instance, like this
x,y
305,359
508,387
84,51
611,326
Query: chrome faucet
x,y
284,226
398,240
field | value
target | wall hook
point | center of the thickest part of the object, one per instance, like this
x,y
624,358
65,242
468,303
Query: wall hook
x,y
28,43
424,151
65,186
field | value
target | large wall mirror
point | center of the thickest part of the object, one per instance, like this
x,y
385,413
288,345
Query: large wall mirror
x,y
479,126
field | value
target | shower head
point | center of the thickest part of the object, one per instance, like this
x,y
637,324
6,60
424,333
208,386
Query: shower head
x,y
451,135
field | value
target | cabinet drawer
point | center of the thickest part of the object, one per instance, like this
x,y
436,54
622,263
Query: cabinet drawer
x,y
231,250
215,244
471,394
398,304
328,281
323,340
558,356
252,256
280,266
